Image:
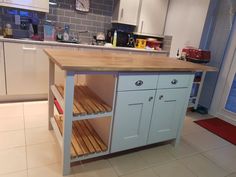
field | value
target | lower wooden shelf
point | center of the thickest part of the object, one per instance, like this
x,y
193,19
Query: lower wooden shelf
x,y
84,140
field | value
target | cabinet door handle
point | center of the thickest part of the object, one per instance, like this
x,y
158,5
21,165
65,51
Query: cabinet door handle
x,y
122,13
29,49
150,98
139,83
160,97
142,26
174,81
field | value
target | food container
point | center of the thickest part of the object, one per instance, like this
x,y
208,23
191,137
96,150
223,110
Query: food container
x,y
153,43
49,33
141,43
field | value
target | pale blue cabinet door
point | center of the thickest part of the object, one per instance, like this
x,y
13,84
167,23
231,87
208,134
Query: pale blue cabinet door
x,y
167,113
132,119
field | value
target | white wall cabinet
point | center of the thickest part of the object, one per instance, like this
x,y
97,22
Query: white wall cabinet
x,y
36,5
126,12
2,71
152,17
132,119
26,69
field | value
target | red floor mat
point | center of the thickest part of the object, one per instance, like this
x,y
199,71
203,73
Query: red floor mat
x,y
219,127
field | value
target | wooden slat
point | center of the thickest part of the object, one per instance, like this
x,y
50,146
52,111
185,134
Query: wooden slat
x,y
86,102
61,91
79,140
59,124
95,135
82,100
84,137
91,138
95,102
98,101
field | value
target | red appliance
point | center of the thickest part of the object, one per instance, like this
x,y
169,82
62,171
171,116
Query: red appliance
x,y
197,55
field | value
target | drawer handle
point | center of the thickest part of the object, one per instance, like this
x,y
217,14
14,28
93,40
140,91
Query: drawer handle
x,y
160,97
174,81
29,49
139,83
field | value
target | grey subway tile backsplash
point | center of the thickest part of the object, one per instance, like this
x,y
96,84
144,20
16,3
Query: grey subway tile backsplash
x,y
98,19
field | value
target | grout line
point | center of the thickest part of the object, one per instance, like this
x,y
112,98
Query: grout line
x,y
25,140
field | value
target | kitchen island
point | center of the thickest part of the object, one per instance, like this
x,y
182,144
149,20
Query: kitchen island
x,y
128,101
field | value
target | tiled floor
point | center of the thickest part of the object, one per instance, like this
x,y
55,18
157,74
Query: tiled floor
x,y
28,149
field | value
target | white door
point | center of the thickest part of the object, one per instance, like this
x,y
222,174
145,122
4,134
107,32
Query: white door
x,y
224,101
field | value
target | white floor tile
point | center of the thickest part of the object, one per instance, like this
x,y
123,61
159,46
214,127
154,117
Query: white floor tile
x,y
47,171
36,108
9,110
39,135
205,140
157,155
191,127
35,121
12,123
203,167
101,168
225,157
128,163
42,154
173,169
11,139
12,160
142,173
183,149
17,174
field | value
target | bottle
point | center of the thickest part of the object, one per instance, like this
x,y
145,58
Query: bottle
x,y
114,39
66,35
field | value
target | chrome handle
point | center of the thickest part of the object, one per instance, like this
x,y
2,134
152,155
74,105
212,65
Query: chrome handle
x,y
160,97
150,98
139,83
122,13
142,26
29,49
174,81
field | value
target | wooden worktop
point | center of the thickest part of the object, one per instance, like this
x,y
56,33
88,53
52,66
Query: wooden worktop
x,y
108,61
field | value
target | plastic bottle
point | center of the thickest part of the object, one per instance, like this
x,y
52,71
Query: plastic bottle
x,y
114,39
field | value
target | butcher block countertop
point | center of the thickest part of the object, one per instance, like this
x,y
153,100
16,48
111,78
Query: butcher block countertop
x,y
110,62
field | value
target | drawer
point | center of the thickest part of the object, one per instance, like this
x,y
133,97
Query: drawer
x,y
173,80
137,82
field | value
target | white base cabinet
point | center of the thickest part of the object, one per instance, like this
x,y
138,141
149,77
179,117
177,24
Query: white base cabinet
x,y
132,119
26,69
2,72
167,113
150,109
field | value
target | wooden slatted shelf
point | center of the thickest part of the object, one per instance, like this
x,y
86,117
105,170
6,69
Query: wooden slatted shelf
x,y
86,102
84,140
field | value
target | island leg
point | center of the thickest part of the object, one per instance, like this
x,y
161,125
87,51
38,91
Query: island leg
x,y
67,123
50,94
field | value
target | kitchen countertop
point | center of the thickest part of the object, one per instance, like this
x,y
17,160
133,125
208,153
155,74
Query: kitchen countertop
x,y
110,62
55,43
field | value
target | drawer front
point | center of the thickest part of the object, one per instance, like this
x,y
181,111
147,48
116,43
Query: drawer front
x,y
137,82
173,80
